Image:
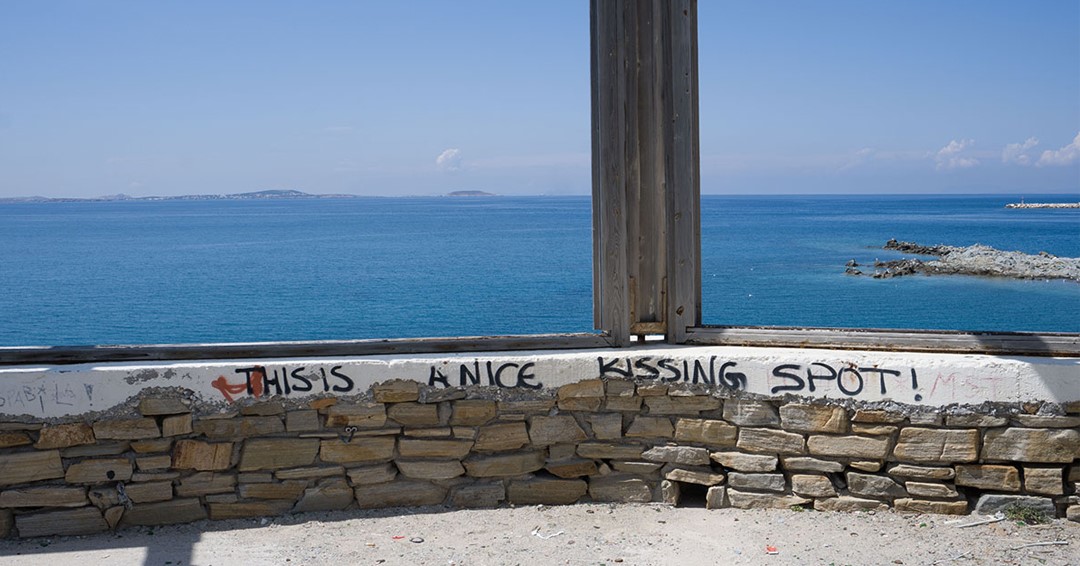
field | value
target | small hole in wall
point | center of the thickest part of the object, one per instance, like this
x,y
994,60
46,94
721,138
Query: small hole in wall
x,y
692,495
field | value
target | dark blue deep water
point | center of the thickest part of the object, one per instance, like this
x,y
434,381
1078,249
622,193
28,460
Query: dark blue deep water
x,y
231,271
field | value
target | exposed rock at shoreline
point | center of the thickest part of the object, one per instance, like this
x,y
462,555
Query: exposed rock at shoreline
x,y
1043,205
972,260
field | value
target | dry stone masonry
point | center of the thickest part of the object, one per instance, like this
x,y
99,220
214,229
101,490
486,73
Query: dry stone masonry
x,y
167,456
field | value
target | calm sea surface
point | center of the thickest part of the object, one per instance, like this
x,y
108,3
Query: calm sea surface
x,y
229,271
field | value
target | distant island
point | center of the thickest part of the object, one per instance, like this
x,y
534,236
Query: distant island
x,y
257,195
470,194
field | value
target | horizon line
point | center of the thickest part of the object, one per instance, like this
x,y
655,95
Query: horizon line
x,y
121,197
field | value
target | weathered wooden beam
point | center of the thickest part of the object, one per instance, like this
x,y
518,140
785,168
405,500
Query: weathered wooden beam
x,y
645,167
266,350
998,343
684,173
609,54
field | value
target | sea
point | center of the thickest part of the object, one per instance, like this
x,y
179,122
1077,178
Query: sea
x,y
155,272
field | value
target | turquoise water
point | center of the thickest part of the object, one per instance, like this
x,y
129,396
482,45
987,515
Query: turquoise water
x,y
229,271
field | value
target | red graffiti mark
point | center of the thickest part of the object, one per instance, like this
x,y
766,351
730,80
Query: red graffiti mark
x,y
257,377
226,388
945,381
229,389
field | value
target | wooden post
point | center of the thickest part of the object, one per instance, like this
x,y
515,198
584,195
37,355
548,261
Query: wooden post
x,y
646,180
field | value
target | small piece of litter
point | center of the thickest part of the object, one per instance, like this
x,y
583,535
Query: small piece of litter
x,y
957,557
397,537
997,518
1050,543
536,533
772,550
371,544
417,540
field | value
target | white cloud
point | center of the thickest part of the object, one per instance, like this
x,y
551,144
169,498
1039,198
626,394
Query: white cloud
x,y
1063,156
858,158
1017,152
449,160
949,157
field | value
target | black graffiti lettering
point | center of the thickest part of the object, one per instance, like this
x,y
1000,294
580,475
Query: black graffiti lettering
x,y
437,377
650,370
665,364
348,386
881,376
523,377
613,367
247,376
496,378
700,372
67,394
305,383
275,381
470,377
811,376
732,379
783,372
496,374
325,383
840,381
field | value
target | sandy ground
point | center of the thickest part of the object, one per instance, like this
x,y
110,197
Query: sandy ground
x,y
592,534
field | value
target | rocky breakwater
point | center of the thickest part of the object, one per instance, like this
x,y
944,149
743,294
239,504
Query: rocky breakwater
x,y
972,260
1043,205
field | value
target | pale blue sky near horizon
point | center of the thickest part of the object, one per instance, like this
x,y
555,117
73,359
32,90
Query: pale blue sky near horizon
x,y
428,97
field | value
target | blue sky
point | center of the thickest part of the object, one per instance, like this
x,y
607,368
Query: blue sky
x,y
420,98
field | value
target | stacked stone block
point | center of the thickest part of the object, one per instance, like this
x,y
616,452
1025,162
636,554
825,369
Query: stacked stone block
x,y
613,441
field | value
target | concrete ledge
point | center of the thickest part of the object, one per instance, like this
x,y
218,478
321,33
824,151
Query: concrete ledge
x,y
918,379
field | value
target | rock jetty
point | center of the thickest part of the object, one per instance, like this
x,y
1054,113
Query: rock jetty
x,y
972,260
1043,205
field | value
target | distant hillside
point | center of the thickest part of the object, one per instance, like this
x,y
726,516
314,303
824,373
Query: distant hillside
x,y
470,194
268,194
274,193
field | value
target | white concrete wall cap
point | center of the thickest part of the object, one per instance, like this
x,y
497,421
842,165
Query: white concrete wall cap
x,y
920,379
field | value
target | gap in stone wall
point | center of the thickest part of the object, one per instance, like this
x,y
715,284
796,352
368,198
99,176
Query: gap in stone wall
x,y
692,496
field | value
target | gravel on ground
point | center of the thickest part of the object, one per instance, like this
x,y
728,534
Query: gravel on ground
x,y
591,534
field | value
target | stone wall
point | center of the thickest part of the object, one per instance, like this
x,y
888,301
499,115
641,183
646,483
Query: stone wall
x,y
157,459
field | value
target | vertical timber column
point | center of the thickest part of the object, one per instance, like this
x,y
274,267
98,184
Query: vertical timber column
x,y
646,179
